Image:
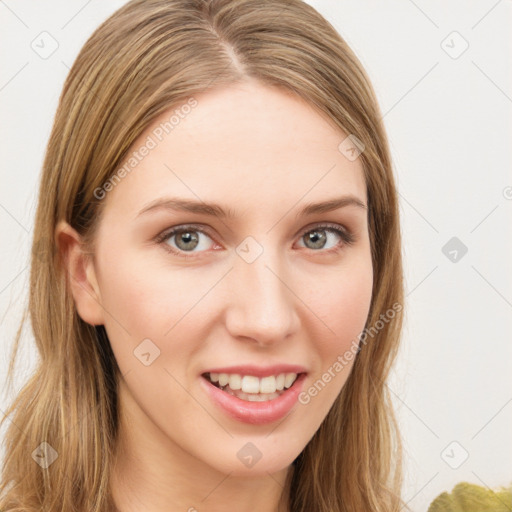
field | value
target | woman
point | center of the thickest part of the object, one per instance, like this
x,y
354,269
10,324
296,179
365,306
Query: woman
x,y
216,284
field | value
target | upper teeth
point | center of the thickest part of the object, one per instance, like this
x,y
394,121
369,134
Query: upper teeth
x,y
251,384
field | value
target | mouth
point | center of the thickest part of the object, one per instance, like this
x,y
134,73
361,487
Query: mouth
x,y
252,399
251,388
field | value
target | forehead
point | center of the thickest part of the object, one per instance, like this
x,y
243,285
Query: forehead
x,y
244,146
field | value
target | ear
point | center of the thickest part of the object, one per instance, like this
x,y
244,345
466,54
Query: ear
x,y
81,274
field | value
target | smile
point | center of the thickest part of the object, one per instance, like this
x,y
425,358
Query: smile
x,y
257,400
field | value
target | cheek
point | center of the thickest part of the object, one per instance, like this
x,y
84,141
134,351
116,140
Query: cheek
x,y
343,306
147,295
143,300
353,308
342,302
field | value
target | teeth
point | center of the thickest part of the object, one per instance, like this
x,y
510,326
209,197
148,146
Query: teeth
x,y
252,384
289,379
235,382
268,384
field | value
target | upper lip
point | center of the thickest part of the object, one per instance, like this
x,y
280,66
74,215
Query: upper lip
x,y
259,371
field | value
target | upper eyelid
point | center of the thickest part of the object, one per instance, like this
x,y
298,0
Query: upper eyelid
x,y
167,233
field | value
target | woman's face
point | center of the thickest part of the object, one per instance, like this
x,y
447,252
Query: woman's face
x,y
260,292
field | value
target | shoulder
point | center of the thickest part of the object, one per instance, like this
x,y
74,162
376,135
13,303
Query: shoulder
x,y
466,497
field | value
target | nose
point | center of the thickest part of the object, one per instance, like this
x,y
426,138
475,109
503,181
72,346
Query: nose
x,y
262,303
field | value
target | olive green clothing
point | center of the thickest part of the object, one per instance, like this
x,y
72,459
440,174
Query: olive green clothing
x,y
466,497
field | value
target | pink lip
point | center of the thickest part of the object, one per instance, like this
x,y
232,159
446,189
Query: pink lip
x,y
255,413
259,371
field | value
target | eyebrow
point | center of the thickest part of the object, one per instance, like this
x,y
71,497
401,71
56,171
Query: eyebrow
x,y
215,210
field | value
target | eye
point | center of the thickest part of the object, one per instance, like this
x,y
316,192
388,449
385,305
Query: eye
x,y
188,238
316,238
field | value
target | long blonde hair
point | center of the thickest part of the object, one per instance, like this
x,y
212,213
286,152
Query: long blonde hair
x,y
147,57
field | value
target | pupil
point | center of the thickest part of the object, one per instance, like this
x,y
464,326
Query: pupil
x,y
317,239
185,238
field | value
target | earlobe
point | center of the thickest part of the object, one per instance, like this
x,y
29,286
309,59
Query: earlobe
x,y
81,274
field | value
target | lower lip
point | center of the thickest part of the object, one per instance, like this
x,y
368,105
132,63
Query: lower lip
x,y
255,413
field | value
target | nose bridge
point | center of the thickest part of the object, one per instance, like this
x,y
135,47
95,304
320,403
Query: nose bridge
x,y
264,306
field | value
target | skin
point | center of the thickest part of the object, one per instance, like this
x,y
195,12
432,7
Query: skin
x,y
263,153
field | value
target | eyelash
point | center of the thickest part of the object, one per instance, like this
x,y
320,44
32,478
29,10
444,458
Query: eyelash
x,y
347,237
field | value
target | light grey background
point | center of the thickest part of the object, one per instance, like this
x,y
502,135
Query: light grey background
x,y
448,117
